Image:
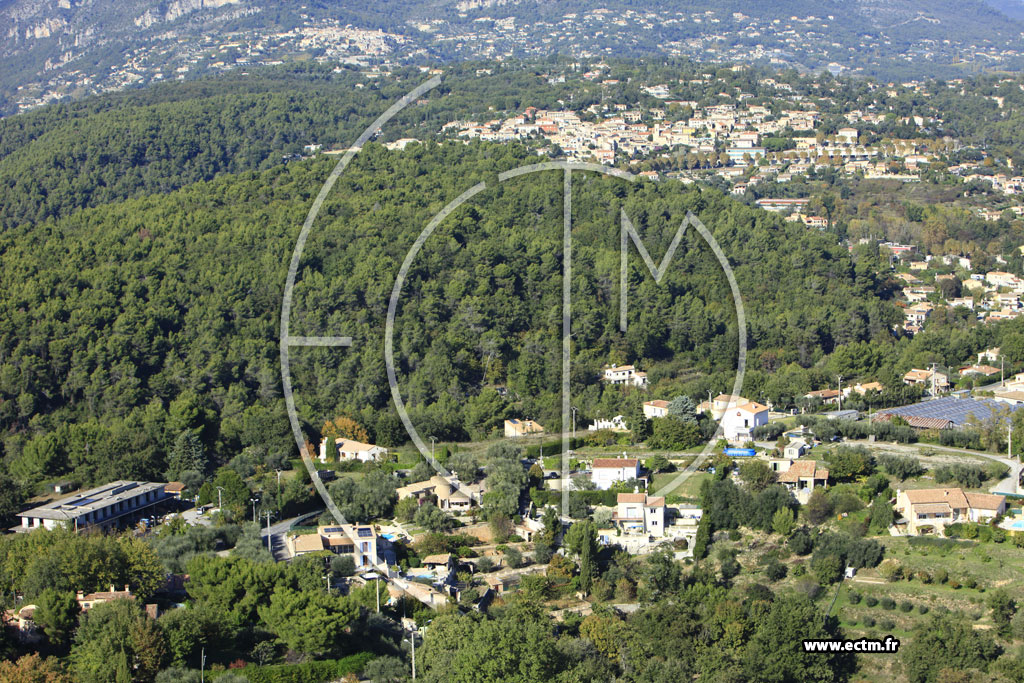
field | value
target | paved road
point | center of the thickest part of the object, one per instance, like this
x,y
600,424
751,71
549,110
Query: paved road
x,y
277,532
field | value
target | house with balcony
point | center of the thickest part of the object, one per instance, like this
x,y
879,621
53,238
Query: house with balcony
x,y
640,514
928,511
624,374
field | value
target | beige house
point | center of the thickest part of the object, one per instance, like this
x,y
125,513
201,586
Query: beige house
x,y
800,476
933,380
653,409
931,510
449,497
638,513
356,540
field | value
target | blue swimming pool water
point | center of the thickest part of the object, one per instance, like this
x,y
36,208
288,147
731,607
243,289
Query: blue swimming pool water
x,y
1016,524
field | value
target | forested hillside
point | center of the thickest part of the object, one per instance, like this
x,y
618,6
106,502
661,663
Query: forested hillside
x,y
142,283
128,324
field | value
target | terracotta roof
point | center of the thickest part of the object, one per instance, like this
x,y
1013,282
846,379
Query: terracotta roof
x,y
631,498
802,469
656,502
437,559
739,400
657,404
954,497
985,501
615,462
174,487
933,507
350,445
752,407
824,393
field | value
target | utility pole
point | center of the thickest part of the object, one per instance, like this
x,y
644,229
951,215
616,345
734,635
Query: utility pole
x,y
376,590
220,507
268,530
433,440
413,639
253,501
840,392
279,482
202,665
1002,372
574,409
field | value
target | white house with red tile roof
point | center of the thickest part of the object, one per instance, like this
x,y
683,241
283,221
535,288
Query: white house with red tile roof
x,y
739,422
609,471
349,449
624,374
638,513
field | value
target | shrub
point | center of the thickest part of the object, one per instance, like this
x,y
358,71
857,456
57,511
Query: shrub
x,y
854,598
871,601
869,621
888,603
776,571
735,535
906,606
922,609
941,576
890,570
886,624
969,582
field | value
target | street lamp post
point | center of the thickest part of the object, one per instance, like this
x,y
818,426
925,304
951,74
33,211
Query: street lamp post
x,y
253,501
433,440
220,506
279,482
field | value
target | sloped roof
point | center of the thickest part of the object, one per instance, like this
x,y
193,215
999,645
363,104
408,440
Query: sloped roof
x,y
803,469
615,462
954,497
985,501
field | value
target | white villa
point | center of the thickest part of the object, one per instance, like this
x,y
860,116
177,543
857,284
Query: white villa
x,y
739,422
624,374
608,471
638,513
347,449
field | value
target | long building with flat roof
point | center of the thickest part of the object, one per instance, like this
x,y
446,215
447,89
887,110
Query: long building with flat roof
x,y
103,506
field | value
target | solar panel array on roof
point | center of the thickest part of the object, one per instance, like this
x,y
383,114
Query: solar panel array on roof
x,y
83,501
365,533
333,530
125,487
957,410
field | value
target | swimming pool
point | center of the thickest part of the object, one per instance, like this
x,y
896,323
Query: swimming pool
x,y
1016,524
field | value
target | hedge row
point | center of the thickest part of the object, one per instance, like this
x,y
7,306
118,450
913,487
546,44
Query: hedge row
x,y
307,672
552,447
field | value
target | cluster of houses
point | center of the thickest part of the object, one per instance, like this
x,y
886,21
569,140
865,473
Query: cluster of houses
x,y
994,295
21,619
731,133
